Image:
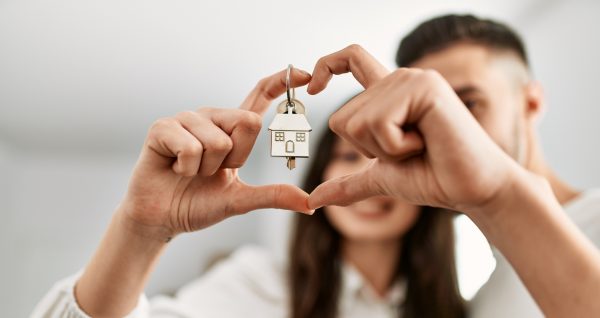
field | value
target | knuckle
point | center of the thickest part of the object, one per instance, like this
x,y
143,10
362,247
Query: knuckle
x,y
185,115
192,149
262,82
355,49
377,123
251,121
262,85
320,62
157,124
431,76
222,145
204,110
334,124
399,71
160,125
405,72
235,164
356,129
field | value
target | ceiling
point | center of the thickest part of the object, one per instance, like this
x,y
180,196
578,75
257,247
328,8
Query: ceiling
x,y
92,75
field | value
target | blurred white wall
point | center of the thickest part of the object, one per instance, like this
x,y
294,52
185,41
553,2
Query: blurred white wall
x,y
5,245
80,82
564,47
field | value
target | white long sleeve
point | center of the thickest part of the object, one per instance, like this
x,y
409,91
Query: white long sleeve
x,y
504,295
60,302
249,284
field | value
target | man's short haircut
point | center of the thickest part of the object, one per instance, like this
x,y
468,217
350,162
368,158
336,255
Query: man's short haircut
x,y
444,31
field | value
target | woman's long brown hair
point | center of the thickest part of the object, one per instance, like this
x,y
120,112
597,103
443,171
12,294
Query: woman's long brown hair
x,y
426,261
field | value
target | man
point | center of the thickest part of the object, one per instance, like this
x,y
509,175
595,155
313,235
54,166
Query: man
x,y
486,64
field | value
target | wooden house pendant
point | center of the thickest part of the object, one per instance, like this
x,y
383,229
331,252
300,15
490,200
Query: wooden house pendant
x,y
290,131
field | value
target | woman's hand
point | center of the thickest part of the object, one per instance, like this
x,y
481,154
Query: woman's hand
x,y
429,149
186,177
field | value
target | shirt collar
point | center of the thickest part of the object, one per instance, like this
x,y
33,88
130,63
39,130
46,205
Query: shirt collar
x,y
355,286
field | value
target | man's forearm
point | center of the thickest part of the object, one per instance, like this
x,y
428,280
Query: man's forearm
x,y
115,277
559,266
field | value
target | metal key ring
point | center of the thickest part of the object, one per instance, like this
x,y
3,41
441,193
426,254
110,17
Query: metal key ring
x,y
291,97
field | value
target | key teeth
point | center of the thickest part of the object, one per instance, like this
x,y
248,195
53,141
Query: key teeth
x,y
291,162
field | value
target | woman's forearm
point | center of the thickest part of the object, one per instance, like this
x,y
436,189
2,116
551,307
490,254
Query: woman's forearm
x,y
115,277
559,266
185,180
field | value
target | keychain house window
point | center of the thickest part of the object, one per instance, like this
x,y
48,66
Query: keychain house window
x,y
279,136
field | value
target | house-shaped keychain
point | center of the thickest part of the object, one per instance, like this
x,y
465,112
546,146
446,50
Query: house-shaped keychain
x,y
289,136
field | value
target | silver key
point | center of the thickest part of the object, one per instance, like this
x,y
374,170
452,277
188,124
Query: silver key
x,y
290,131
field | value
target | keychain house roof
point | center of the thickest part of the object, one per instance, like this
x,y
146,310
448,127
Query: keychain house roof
x,y
289,135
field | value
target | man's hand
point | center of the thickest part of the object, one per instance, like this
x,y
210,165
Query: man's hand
x,y
186,177
429,149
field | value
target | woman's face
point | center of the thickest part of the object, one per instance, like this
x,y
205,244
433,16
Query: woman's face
x,y
374,219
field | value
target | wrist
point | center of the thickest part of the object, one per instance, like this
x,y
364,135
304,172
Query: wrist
x,y
125,219
520,190
120,268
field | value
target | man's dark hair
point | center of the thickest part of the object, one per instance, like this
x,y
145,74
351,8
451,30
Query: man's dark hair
x,y
441,32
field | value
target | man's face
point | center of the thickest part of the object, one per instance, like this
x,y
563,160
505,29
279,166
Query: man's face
x,y
492,85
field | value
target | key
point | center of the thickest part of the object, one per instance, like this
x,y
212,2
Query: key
x,y
290,129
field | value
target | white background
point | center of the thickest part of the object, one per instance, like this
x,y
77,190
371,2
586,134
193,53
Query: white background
x,y
80,82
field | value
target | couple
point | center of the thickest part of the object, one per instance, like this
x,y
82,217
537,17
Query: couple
x,y
454,129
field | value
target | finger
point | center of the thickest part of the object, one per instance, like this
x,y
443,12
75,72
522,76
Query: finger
x,y
215,142
359,135
395,139
243,127
344,190
354,59
395,143
340,123
170,140
272,87
377,130
342,131
278,196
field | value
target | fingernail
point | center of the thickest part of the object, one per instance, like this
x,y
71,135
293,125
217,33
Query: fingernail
x,y
304,72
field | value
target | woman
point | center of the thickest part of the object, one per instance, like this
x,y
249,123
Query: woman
x,y
394,246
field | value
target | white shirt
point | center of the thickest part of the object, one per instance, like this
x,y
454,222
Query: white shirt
x,y
250,283
504,295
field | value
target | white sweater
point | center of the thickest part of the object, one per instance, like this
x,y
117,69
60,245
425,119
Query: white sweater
x,y
250,283
504,295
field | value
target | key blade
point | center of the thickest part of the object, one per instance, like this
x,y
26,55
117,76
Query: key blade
x,y
291,162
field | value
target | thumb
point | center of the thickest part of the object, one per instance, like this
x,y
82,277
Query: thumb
x,y
344,190
279,196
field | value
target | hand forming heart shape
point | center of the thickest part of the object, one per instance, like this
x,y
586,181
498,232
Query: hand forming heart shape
x,y
186,177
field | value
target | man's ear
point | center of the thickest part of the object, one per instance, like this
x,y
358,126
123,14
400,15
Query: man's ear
x,y
534,101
